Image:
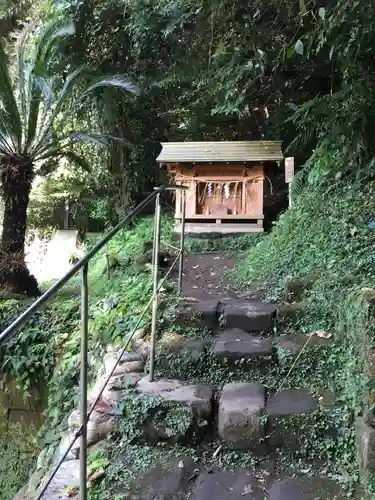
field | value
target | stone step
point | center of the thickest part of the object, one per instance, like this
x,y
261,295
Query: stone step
x,y
238,345
290,414
228,485
290,345
223,485
241,407
198,314
306,488
179,478
184,412
249,419
250,316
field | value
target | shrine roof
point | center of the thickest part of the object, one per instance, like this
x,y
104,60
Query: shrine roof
x,y
228,151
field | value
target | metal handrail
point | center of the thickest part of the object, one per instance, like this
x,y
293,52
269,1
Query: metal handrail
x,y
21,320
82,265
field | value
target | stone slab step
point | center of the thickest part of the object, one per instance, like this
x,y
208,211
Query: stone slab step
x,y
246,420
235,344
289,415
199,314
250,316
241,407
222,485
306,488
195,401
288,346
290,402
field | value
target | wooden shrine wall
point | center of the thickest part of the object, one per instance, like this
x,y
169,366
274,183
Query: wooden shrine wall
x,y
210,184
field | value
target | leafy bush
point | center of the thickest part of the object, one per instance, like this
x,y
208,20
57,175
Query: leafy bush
x,y
327,235
15,460
46,350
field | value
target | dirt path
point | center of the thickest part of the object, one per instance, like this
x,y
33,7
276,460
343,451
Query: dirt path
x,y
205,276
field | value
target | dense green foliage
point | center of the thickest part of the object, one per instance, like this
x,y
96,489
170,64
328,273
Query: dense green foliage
x,y
327,236
207,72
220,69
36,131
47,348
16,459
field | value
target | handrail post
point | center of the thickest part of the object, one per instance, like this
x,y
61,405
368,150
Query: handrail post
x,y
182,243
156,250
83,384
107,261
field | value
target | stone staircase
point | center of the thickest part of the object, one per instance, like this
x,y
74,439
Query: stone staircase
x,y
248,415
244,416
245,410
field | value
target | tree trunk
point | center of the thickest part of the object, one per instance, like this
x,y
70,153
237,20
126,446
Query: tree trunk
x,y
16,177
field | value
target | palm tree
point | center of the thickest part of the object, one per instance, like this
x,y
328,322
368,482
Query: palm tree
x,y
36,111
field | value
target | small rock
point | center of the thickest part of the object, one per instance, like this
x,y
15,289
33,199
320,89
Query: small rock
x,y
241,408
129,362
98,427
139,334
63,446
94,392
365,446
142,348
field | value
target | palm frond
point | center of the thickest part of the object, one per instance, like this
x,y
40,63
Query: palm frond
x,y
41,59
33,114
7,145
23,67
50,114
36,117
50,151
120,82
46,88
99,139
46,41
7,99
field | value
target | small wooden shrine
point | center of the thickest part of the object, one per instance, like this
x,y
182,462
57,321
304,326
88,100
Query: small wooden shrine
x,y
225,183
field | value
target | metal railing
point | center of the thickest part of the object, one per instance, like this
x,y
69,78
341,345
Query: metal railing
x,y
83,265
